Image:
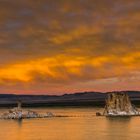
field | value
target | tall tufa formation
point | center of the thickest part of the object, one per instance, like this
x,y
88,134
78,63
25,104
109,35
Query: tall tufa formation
x,y
19,104
119,104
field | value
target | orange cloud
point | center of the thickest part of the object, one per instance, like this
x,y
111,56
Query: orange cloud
x,y
66,68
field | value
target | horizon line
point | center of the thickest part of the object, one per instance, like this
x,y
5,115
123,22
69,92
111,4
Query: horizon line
x,y
48,94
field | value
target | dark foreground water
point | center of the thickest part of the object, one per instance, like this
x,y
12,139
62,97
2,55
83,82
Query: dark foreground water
x,y
80,124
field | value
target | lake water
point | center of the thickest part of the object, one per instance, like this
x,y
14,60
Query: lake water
x,y
80,124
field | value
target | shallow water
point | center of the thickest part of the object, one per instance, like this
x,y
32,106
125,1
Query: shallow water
x,y
80,124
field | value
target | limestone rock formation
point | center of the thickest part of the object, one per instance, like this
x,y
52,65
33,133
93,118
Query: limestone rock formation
x,y
18,113
119,104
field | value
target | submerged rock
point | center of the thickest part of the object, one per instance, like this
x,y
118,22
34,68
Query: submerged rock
x,y
119,104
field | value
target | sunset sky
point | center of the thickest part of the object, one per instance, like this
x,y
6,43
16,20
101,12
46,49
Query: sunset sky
x,y
66,46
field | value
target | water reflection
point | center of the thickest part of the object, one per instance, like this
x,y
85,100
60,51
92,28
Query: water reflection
x,y
19,122
118,119
117,128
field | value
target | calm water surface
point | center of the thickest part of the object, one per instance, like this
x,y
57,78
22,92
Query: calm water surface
x,y
81,124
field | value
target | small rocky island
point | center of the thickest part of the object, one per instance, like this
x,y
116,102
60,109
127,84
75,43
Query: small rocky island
x,y
19,113
119,104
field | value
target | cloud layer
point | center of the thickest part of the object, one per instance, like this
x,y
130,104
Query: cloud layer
x,y
51,46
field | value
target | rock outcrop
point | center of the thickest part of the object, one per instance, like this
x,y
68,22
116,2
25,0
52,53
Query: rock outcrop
x,y
19,113
24,114
119,104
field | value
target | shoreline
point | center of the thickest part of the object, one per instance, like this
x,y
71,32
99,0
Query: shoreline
x,y
61,104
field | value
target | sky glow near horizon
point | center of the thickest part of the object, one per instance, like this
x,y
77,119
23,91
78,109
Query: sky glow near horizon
x,y
65,46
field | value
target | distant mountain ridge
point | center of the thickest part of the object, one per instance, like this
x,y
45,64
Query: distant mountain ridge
x,y
75,99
